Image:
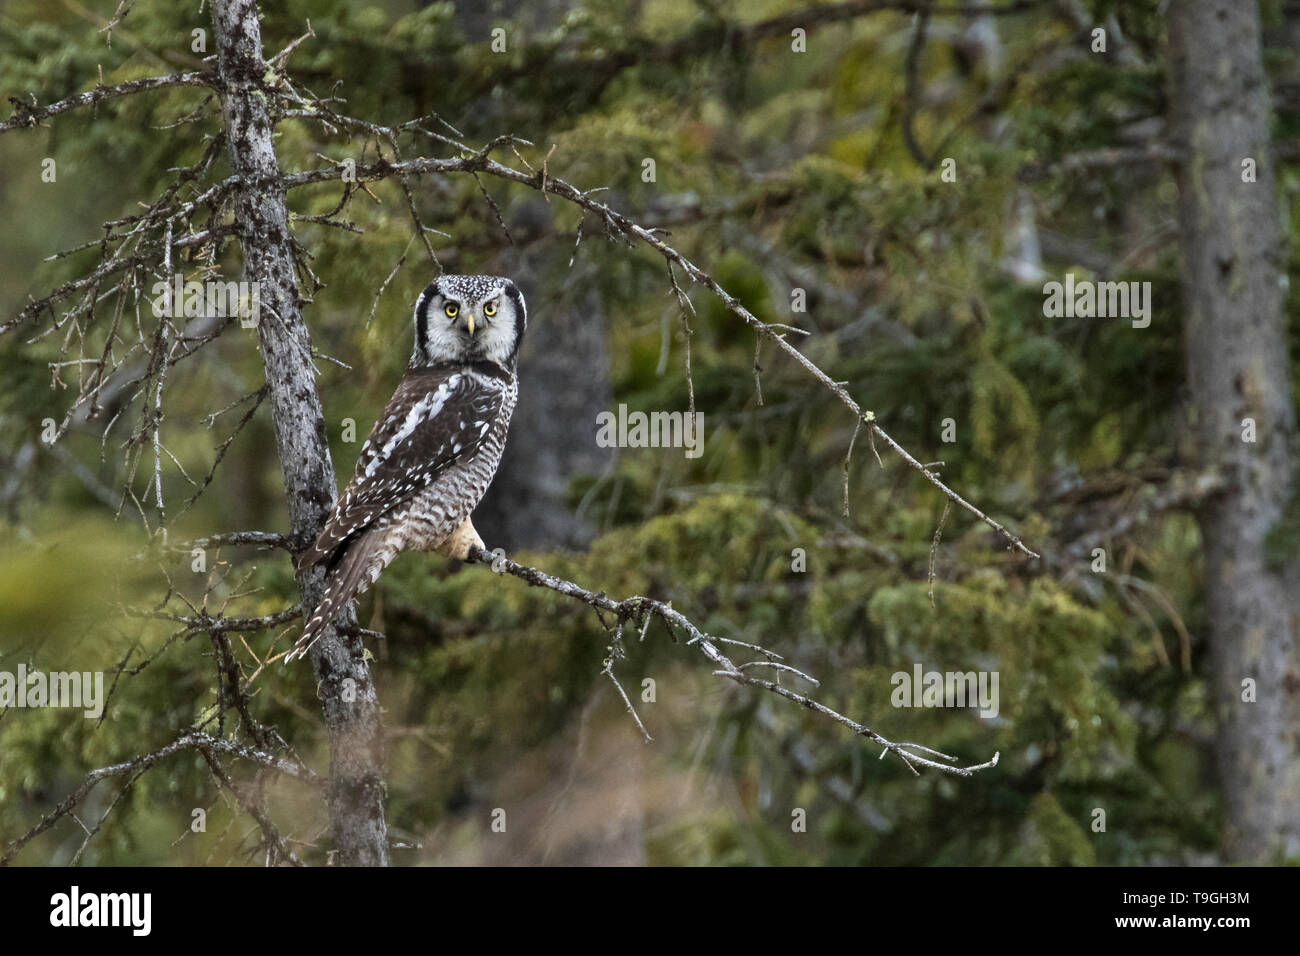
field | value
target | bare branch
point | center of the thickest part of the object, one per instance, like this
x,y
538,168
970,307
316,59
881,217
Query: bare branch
x,y
912,88
481,162
27,115
203,621
203,742
638,609
266,539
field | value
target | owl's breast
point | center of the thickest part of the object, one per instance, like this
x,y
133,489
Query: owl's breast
x,y
430,516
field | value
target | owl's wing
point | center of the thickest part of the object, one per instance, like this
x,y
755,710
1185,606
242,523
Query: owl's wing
x,y
436,418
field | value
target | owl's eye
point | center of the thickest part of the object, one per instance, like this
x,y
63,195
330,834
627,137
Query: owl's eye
x,y
451,311
490,309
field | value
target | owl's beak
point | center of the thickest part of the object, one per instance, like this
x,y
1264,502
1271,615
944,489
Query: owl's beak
x,y
469,322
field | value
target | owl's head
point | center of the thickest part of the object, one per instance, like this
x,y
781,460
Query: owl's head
x,y
469,319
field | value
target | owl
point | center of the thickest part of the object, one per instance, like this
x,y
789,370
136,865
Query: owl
x,y
433,452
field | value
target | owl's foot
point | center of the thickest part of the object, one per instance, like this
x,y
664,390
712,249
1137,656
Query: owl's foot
x,y
460,541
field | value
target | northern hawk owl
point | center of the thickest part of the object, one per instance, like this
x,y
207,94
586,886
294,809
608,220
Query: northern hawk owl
x,y
435,449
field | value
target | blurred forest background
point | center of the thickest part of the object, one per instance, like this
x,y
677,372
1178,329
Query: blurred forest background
x,y
775,170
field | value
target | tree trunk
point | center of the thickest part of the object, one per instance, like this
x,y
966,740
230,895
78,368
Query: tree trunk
x,y
1233,268
343,677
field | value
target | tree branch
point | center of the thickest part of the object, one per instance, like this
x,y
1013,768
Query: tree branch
x,y
203,742
27,115
639,610
481,162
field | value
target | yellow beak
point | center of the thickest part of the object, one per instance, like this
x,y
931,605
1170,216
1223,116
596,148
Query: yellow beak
x,y
469,322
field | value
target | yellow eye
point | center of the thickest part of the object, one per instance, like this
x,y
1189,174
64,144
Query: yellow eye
x,y
490,309
451,311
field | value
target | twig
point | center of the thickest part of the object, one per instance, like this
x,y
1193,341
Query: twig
x,y
912,84
265,539
298,771
480,162
934,548
637,608
203,621
28,115
384,285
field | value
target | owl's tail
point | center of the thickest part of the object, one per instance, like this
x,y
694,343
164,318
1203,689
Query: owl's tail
x,y
358,568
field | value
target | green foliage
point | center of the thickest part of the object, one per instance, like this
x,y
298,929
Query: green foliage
x,y
774,171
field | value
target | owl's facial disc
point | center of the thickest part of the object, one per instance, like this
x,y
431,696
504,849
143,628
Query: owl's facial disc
x,y
469,318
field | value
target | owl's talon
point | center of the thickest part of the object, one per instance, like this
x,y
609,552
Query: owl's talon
x,y
459,543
